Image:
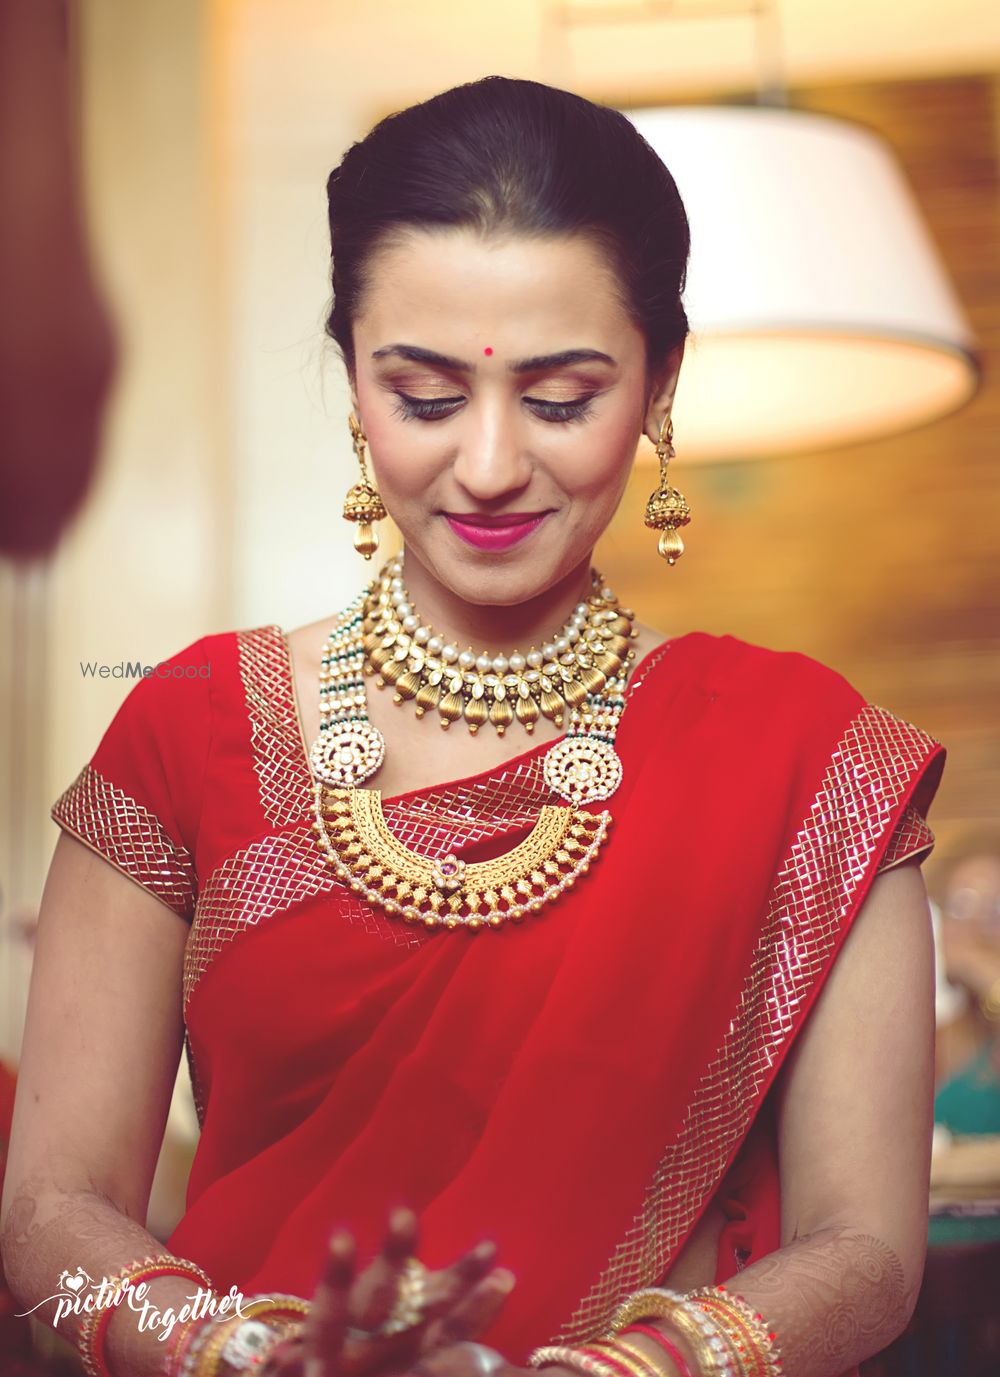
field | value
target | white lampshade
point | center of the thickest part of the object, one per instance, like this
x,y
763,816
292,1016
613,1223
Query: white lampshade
x,y
820,311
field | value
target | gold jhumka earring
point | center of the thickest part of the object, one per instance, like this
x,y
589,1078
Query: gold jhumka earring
x,y
363,504
667,508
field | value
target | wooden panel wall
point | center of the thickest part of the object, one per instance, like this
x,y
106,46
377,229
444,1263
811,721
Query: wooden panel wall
x,y
880,559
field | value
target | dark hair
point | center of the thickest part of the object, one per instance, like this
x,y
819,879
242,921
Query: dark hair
x,y
513,156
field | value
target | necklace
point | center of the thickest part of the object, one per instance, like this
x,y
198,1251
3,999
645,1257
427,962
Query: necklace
x,y
358,845
401,650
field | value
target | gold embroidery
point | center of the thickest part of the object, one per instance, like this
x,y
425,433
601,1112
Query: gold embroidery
x,y
267,877
128,835
912,837
275,733
872,766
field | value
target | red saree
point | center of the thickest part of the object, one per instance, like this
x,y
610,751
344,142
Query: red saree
x,y
579,1086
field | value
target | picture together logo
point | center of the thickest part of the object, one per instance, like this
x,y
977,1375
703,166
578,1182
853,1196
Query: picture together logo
x,y
78,1294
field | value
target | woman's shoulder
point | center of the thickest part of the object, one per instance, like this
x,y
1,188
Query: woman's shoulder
x,y
725,664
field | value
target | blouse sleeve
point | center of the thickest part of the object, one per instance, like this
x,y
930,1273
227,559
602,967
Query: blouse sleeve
x,y
137,802
911,838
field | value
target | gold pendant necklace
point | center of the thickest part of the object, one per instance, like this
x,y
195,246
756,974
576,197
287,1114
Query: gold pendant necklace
x,y
355,839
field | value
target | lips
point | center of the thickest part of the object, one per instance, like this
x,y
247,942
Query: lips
x,y
500,532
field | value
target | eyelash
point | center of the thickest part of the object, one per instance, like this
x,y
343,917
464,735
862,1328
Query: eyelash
x,y
426,410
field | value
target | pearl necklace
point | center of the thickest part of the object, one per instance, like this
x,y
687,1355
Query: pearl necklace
x,y
358,845
578,661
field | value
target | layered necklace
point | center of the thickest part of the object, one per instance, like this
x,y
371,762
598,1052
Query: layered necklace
x,y
381,632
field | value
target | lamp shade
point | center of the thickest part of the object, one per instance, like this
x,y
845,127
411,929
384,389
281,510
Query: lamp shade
x,y
820,312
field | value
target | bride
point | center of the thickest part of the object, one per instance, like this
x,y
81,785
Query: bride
x,y
557,991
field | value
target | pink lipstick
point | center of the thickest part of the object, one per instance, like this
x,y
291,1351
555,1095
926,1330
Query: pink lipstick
x,y
493,532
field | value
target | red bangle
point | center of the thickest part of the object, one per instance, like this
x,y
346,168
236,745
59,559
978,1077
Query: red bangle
x,y
604,1355
672,1350
93,1348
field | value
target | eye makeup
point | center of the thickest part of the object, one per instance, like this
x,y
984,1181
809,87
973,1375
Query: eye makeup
x,y
438,408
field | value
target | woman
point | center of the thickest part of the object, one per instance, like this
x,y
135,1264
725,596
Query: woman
x,y
689,940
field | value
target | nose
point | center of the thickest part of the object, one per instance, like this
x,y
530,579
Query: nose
x,y
492,461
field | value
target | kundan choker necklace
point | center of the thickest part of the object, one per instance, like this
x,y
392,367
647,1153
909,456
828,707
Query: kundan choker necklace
x,y
358,845
401,650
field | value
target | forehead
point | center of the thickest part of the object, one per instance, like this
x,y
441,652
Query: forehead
x,y
513,285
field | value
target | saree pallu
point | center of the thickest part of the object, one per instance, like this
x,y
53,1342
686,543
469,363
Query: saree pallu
x,y
579,1086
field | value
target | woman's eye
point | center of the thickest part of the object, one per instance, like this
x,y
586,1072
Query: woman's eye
x,y
424,408
561,411
427,409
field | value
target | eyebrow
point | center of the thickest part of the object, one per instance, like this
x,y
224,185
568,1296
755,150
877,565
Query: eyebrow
x,y
565,357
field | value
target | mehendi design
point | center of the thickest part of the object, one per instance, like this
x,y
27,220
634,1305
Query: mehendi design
x,y
49,1229
833,1298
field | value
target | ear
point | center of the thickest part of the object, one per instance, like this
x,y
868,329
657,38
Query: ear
x,y
661,398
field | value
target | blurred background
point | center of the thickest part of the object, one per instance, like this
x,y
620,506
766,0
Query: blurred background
x,y
838,417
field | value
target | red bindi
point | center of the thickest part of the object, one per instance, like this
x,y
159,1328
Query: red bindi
x,y
487,350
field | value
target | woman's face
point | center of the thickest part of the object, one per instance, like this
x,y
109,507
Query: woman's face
x,y
502,388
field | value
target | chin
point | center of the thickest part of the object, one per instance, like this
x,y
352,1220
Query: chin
x,y
491,580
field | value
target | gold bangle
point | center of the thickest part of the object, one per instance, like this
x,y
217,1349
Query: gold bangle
x,y
658,1302
637,1363
93,1329
714,1356
285,1307
627,1346
735,1310
744,1347
211,1356
568,1356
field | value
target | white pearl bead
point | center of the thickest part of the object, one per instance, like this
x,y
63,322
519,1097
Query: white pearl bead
x,y
562,644
573,634
410,622
466,660
535,659
549,651
422,635
581,609
517,663
483,663
435,645
396,583
449,653
579,619
500,664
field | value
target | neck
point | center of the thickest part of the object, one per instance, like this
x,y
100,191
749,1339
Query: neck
x,y
492,628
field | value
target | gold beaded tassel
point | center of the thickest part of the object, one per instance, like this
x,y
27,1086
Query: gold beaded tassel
x,y
667,508
363,504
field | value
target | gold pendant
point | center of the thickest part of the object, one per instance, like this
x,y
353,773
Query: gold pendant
x,y
355,839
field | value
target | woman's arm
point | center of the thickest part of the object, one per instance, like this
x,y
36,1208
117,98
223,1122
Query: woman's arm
x,y
855,1117
102,1043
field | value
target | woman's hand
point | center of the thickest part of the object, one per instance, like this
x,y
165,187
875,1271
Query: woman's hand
x,y
460,1301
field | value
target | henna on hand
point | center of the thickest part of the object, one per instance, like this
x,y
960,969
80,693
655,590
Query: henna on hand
x,y
833,1298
